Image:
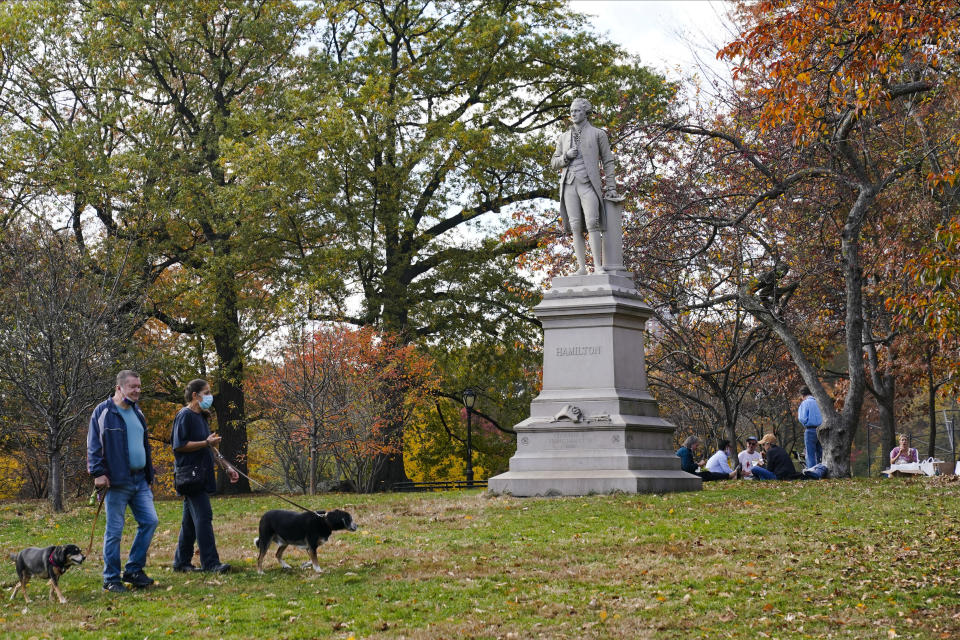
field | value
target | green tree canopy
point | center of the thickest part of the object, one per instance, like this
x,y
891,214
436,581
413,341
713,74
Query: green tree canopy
x,y
336,160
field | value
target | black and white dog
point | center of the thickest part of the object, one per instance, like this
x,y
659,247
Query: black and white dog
x,y
306,530
49,561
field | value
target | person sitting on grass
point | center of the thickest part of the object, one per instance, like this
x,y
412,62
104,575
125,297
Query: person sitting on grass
x,y
752,462
719,462
904,453
686,454
750,457
779,463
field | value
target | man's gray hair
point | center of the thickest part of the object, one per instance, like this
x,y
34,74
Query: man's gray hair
x,y
125,375
583,103
690,441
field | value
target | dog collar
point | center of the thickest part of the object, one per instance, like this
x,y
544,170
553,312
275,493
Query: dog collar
x,y
53,562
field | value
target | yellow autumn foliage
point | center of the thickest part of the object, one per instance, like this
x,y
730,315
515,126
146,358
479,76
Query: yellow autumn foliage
x,y
11,477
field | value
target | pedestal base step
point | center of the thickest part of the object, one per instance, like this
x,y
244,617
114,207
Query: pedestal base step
x,y
586,482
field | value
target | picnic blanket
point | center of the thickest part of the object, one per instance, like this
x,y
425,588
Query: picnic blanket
x,y
927,468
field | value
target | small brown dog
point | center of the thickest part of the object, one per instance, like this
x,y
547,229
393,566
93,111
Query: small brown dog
x,y
49,561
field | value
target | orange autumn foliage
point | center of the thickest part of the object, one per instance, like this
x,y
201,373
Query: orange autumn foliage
x,y
826,57
339,397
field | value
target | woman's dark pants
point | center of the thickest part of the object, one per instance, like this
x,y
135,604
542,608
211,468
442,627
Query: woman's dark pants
x,y
197,526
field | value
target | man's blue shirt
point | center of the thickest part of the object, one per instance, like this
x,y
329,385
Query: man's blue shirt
x,y
138,455
809,413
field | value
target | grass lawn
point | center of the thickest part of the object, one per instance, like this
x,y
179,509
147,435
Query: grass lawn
x,y
844,558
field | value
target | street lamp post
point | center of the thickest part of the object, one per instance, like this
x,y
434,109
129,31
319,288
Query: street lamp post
x,y
469,398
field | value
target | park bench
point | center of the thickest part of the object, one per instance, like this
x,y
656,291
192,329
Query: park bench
x,y
444,485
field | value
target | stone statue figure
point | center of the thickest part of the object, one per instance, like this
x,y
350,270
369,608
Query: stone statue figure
x,y
581,151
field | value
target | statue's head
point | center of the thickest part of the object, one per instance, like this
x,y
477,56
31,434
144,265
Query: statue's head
x,y
579,110
582,103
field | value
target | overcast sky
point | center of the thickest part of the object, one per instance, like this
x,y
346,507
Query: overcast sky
x,y
662,32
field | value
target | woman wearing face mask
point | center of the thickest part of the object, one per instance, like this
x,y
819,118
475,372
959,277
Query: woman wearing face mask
x,y
192,445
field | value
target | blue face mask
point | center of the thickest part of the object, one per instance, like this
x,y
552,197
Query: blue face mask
x,y
206,401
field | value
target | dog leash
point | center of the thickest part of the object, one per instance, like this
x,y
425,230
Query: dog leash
x,y
100,497
217,453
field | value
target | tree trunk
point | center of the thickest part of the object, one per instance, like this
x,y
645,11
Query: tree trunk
x,y
312,471
388,467
731,420
229,400
837,432
885,410
884,386
931,408
55,480
837,445
390,470
229,404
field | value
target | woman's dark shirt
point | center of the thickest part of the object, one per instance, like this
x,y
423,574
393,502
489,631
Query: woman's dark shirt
x,y
189,426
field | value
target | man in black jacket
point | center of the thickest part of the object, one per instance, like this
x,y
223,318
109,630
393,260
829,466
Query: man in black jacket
x,y
778,460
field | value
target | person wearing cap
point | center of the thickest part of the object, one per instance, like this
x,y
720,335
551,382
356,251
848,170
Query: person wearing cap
x,y
750,459
778,460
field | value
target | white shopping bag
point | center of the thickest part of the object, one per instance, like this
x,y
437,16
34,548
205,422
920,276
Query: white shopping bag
x,y
929,466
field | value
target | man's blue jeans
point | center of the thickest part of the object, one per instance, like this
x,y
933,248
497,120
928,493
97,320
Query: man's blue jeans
x,y
762,474
138,496
812,444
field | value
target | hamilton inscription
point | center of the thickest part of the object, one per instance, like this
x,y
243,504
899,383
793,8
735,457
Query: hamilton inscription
x,y
578,351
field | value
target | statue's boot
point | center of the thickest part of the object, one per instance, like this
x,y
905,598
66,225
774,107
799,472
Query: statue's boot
x,y
580,249
596,248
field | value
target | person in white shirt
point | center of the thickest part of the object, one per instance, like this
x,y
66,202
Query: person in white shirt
x,y
750,457
718,462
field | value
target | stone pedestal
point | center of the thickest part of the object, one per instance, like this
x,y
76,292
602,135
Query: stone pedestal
x,y
594,428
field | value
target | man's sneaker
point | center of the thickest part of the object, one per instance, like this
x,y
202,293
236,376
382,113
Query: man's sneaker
x,y
137,578
186,568
115,587
220,568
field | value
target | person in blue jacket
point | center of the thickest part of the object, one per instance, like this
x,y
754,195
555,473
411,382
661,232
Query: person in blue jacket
x,y
118,458
809,416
